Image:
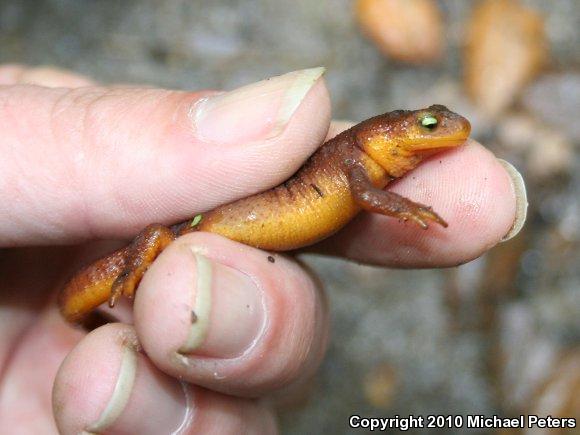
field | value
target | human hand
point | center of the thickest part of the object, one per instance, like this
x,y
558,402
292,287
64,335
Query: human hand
x,y
81,162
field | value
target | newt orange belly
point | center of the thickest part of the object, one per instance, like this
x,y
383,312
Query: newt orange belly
x,y
346,175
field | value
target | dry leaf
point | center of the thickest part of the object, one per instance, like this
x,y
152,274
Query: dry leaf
x,y
547,152
559,396
506,47
380,386
406,30
552,98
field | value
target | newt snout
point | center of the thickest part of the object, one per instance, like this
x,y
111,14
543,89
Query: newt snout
x,y
343,177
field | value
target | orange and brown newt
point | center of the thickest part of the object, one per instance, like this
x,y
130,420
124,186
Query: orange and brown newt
x,y
346,175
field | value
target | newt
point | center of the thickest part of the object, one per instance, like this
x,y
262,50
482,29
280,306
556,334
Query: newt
x,y
345,176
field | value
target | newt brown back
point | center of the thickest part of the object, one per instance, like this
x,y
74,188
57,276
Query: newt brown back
x,y
346,175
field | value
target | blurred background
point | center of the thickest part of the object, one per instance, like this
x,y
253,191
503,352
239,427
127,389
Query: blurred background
x,y
500,335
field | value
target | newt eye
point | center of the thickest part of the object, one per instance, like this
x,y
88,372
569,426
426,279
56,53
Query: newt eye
x,y
429,122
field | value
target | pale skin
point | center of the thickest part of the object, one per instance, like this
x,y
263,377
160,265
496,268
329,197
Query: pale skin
x,y
73,191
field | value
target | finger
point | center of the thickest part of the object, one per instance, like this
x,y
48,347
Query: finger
x,y
43,76
468,187
97,162
106,384
229,317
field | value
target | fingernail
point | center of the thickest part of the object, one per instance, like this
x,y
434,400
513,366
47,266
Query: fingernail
x,y
141,389
254,112
121,392
227,311
521,200
200,304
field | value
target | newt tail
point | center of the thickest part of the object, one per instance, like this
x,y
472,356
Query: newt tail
x,y
343,177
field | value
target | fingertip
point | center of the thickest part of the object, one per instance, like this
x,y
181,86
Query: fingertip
x,y
468,187
73,410
482,201
107,384
259,313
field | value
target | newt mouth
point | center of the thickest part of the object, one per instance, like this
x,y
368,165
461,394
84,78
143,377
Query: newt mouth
x,y
451,135
439,144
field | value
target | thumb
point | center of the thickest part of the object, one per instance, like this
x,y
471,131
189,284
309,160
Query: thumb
x,y
104,162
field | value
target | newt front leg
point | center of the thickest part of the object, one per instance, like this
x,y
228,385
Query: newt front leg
x,y
388,203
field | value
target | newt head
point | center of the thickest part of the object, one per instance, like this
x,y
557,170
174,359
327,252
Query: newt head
x,y
400,140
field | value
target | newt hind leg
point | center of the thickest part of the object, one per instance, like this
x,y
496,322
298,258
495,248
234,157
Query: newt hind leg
x,y
140,254
369,198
